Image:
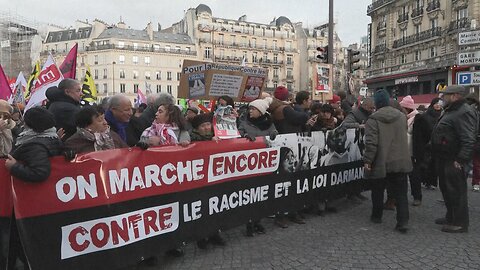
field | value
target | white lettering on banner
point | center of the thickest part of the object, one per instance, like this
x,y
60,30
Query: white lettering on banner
x,y
73,186
347,176
189,170
237,199
117,231
243,163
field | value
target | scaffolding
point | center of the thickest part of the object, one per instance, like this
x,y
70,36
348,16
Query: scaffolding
x,y
16,36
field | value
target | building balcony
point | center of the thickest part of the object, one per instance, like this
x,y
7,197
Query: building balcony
x,y
425,35
402,18
139,49
380,48
290,63
433,5
459,24
377,4
417,12
289,77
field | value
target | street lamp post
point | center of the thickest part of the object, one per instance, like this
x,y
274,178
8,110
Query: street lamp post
x,y
113,76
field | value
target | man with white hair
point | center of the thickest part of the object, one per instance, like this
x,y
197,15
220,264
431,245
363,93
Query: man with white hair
x,y
118,116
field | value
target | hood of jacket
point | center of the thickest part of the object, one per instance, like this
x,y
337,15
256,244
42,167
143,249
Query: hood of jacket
x,y
54,94
387,114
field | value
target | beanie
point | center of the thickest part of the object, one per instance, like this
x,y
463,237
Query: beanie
x,y
281,93
381,98
201,118
261,104
39,119
335,99
193,109
408,102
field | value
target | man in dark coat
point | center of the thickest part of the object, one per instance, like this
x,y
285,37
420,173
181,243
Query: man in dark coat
x,y
118,117
387,158
453,140
285,117
359,116
64,104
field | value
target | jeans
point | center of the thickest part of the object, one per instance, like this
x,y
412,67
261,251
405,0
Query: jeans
x,y
453,184
398,188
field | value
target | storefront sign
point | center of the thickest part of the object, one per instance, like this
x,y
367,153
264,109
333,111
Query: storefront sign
x,y
406,80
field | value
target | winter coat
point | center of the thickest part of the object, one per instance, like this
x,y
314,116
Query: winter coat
x,y
286,119
410,120
64,108
322,124
80,144
137,125
386,146
196,137
455,133
262,126
355,118
33,164
422,132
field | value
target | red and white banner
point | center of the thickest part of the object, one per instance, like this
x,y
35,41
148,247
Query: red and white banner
x,y
49,76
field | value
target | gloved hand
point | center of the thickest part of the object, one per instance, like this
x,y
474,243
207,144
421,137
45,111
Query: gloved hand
x,y
69,154
142,145
250,138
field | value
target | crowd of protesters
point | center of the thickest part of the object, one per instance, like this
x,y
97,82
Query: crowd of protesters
x,y
401,143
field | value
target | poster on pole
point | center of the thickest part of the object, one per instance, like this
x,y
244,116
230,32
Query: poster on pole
x,y
323,74
205,80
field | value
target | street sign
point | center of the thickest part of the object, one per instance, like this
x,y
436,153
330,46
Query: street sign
x,y
467,38
468,78
469,58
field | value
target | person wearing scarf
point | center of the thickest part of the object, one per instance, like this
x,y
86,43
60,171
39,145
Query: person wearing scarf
x,y
168,128
324,120
258,121
93,133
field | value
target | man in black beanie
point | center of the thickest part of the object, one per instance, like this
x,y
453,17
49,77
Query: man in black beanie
x,y
387,158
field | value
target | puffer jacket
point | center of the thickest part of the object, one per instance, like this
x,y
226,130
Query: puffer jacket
x,y
257,127
386,146
33,164
64,108
455,134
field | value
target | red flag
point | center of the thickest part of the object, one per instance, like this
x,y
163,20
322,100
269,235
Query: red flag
x,y
5,90
69,65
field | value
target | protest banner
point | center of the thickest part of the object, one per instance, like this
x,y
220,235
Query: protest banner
x,y
111,208
206,80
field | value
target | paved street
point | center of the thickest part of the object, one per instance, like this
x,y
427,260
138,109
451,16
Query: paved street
x,y
346,240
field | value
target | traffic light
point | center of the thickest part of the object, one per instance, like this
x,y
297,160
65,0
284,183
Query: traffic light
x,y
352,60
322,53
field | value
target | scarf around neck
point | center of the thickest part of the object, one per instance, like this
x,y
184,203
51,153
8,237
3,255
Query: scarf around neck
x,y
101,140
28,134
119,127
166,132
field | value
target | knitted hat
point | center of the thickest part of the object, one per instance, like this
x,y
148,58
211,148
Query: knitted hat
x,y
335,99
201,118
381,98
193,109
39,119
281,93
408,102
261,104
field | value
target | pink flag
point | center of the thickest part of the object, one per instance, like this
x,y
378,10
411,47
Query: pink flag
x,y
69,65
140,98
5,89
49,76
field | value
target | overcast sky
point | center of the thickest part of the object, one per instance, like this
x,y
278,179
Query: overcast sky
x,y
350,14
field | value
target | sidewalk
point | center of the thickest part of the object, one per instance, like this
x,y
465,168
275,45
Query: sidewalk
x,y
346,240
